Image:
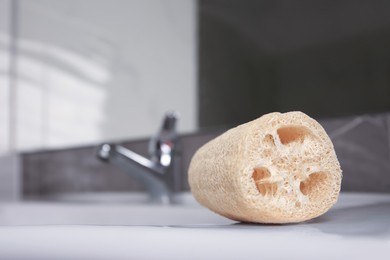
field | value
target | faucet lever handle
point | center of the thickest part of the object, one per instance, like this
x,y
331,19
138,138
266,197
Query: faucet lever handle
x,y
169,122
163,143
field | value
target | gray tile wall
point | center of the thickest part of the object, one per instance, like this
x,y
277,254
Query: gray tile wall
x,y
78,170
10,179
361,143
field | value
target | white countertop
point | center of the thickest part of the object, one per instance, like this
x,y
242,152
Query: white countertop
x,y
357,227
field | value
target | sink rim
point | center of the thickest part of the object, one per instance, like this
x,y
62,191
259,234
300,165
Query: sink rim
x,y
111,197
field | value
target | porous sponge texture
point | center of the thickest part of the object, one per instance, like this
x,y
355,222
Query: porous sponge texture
x,y
279,168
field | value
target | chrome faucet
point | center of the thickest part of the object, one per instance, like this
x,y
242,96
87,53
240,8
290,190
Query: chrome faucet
x,y
160,174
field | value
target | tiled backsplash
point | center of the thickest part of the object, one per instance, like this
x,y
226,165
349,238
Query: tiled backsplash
x,y
361,143
10,177
79,170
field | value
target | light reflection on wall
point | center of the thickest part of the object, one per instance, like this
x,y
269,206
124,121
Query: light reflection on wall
x,y
93,71
55,107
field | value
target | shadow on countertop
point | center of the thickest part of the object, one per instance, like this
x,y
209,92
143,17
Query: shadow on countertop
x,y
365,220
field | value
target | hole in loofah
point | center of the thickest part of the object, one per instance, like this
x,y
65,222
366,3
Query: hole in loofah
x,y
290,134
269,139
313,184
267,188
260,174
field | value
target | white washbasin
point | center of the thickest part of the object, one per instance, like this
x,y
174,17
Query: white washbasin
x,y
120,198
106,209
357,227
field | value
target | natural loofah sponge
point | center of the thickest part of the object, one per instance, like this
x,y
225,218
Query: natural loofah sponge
x,y
279,168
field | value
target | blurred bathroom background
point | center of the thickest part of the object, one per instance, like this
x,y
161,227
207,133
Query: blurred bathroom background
x,y
79,72
76,73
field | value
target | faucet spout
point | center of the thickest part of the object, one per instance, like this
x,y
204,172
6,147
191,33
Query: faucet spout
x,y
160,175
109,151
